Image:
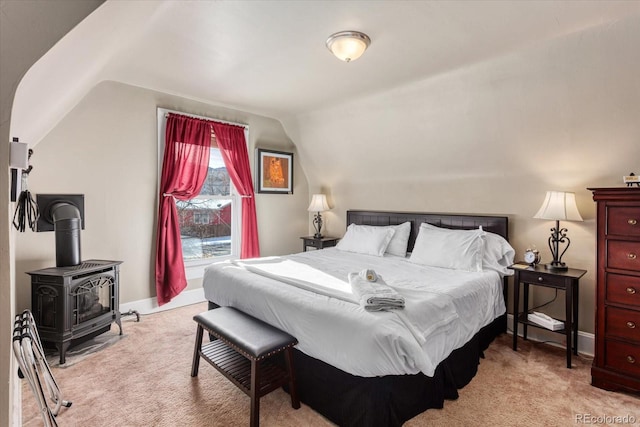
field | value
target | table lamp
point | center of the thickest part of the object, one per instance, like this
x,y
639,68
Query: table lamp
x,y
318,204
559,206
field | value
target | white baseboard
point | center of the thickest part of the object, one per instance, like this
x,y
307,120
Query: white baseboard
x,y
586,341
150,305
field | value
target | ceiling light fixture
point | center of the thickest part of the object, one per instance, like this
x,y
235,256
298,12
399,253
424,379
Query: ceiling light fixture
x,y
348,45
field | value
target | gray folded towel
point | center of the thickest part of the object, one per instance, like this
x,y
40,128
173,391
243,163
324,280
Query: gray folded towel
x,y
374,296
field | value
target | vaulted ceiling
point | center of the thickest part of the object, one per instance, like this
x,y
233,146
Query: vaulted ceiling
x,y
269,57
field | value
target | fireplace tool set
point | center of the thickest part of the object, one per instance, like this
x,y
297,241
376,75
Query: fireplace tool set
x,y
33,366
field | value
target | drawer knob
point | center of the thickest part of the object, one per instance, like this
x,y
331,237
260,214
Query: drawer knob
x,y
632,221
632,256
540,279
631,325
631,290
631,359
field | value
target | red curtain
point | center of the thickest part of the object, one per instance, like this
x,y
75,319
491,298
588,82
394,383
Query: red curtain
x,y
233,146
184,170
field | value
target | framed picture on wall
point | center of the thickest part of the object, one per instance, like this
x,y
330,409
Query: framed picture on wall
x,y
274,172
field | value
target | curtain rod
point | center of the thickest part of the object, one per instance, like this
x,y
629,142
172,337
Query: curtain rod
x,y
246,126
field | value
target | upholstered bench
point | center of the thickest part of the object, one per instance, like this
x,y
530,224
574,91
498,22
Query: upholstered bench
x,y
243,352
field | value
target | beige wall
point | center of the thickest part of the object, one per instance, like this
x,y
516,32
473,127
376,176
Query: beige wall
x,y
491,138
106,148
27,30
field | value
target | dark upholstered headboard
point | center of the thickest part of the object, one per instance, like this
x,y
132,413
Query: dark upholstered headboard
x,y
495,224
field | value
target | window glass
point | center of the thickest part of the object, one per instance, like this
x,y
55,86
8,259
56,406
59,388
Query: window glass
x,y
206,220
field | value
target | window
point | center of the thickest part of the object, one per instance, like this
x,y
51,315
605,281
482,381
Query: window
x,y
206,221
210,222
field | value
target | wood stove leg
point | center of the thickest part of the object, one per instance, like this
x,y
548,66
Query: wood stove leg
x,y
62,349
116,316
131,313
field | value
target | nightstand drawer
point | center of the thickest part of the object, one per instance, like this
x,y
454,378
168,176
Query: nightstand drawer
x,y
622,323
318,243
313,243
542,279
623,221
622,357
623,255
623,289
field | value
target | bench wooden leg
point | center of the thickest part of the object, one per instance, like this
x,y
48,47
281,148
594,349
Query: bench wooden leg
x,y
295,401
196,352
234,362
255,394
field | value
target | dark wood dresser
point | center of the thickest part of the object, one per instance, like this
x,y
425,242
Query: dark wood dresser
x,y
616,365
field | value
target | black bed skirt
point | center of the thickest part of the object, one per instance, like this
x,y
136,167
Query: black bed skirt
x,y
388,401
348,400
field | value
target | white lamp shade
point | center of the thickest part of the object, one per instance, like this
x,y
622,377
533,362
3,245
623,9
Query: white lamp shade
x,y
559,206
318,203
348,45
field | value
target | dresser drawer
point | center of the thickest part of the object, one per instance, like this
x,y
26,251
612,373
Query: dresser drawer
x,y
621,323
623,255
623,221
623,289
622,357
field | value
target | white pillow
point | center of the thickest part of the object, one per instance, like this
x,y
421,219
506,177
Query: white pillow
x,y
454,249
366,239
400,241
498,254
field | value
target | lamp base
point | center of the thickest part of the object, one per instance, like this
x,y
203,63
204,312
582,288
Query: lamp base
x,y
317,224
556,267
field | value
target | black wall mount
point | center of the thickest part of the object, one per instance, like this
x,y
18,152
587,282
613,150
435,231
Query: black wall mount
x,y
47,204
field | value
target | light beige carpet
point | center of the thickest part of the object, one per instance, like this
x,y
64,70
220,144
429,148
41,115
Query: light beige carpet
x,y
144,380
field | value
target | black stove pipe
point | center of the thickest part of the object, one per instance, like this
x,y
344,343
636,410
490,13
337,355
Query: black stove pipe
x,y
67,226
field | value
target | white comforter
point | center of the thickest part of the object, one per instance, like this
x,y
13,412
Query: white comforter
x,y
309,296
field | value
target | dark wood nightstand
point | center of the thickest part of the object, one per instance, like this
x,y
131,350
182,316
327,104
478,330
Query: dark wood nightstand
x,y
324,242
539,276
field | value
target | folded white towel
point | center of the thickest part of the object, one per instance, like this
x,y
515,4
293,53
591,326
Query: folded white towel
x,y
369,275
374,296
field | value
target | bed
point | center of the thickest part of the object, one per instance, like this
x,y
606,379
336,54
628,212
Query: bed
x,y
357,367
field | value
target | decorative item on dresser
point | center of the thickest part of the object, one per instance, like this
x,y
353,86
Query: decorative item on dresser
x,y
616,365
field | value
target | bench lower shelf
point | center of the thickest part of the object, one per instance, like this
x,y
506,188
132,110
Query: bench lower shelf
x,y
237,368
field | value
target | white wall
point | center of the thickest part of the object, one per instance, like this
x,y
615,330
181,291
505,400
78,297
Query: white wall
x,y
106,148
491,138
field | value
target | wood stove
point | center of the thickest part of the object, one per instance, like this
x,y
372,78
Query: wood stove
x,y
75,303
